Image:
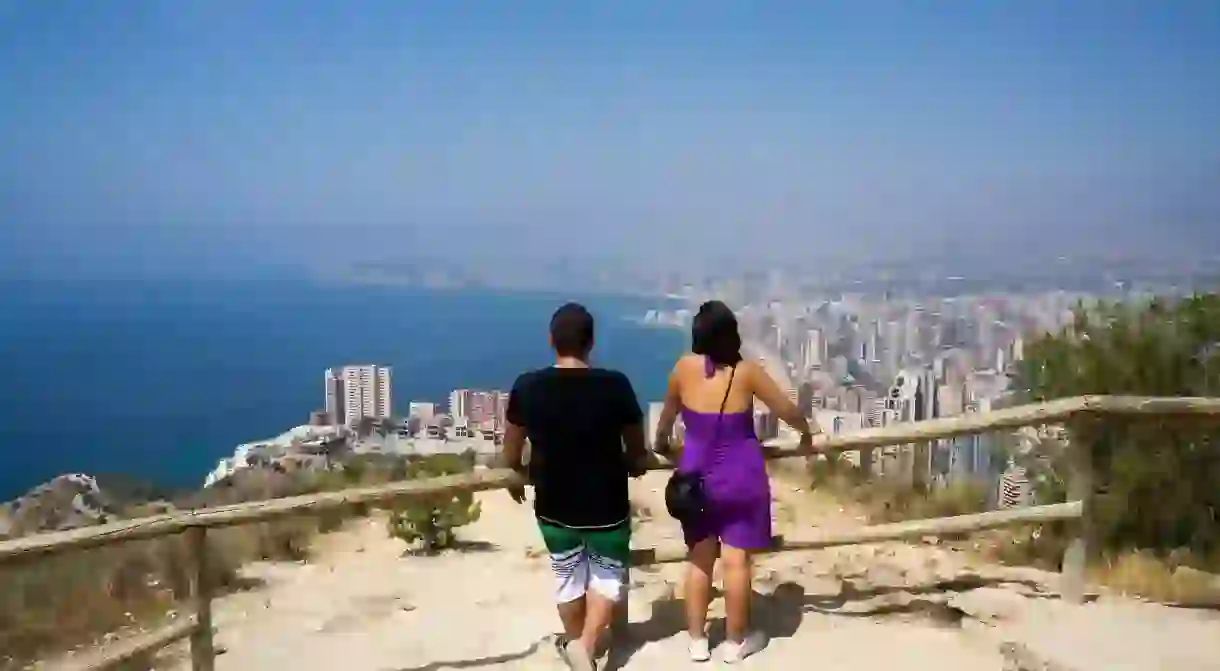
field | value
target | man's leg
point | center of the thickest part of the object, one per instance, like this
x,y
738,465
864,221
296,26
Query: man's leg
x,y
570,564
609,553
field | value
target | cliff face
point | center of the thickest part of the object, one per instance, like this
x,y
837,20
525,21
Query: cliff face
x,y
64,502
77,500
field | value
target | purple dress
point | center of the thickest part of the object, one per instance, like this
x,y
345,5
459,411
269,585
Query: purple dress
x,y
730,459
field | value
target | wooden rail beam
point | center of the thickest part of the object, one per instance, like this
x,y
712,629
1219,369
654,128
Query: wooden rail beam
x,y
944,427
143,528
936,526
126,649
1145,405
39,545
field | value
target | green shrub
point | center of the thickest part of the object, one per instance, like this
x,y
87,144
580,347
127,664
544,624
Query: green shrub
x,y
430,523
1156,477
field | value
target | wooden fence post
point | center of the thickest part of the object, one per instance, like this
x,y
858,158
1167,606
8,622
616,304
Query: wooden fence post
x,y
1080,488
866,462
203,654
921,461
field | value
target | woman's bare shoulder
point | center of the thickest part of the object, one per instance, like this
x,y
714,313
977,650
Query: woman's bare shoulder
x,y
750,366
753,371
686,363
688,360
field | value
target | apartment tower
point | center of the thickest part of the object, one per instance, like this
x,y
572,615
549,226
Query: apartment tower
x,y
355,392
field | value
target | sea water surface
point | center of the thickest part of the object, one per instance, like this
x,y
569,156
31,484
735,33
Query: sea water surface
x,y
158,380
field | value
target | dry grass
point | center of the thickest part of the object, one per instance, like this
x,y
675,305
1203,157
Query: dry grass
x,y
74,600
1179,578
67,601
884,500
1162,579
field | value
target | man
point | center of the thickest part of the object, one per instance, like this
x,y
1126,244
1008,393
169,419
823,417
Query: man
x,y
586,437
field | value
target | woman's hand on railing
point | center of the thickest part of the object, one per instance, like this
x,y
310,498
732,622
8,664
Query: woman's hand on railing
x,y
806,443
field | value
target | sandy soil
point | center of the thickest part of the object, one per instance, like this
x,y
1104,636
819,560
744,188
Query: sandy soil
x,y
360,605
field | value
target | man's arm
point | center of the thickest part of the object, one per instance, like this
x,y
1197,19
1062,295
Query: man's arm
x,y
512,452
633,430
637,451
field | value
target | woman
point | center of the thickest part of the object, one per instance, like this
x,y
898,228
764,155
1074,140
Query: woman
x,y
714,389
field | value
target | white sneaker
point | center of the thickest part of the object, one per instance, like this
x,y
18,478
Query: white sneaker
x,y
700,650
736,651
574,655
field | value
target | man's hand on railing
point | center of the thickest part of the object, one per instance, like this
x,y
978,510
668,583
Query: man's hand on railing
x,y
517,492
639,466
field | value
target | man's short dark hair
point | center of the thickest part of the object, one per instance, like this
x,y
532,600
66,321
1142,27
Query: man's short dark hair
x,y
572,330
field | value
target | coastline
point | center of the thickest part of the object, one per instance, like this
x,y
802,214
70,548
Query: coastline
x,y
162,380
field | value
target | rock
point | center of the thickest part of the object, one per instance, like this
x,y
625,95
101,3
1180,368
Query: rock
x,y
767,579
1197,576
1019,657
1196,588
989,604
883,575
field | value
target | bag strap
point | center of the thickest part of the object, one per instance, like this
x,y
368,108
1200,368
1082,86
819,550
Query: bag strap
x,y
720,414
725,400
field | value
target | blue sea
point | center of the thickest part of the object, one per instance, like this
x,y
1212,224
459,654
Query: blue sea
x,y
158,380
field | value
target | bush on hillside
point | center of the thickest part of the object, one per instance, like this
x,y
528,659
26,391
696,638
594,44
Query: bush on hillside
x,y
1156,477
430,523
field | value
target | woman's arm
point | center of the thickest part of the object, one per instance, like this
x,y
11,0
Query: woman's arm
x,y
669,414
777,401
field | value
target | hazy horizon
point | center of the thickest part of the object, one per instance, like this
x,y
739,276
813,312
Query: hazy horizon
x,y
216,137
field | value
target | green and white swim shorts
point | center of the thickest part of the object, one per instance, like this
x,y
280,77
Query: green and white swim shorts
x,y
585,559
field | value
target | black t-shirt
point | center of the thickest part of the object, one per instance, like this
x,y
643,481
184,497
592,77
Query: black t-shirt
x,y
574,419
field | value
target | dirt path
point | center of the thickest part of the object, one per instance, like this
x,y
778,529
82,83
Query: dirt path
x,y
360,606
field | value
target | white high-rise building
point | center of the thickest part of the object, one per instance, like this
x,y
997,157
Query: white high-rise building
x,y
459,405
334,396
421,409
815,349
356,392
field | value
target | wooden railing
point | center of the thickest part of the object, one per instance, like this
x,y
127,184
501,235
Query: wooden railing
x,y
195,524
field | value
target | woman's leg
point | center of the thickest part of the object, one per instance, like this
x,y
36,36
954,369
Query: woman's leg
x,y
736,567
740,539
698,594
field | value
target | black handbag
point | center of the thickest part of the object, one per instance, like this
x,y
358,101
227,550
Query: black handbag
x,y
685,498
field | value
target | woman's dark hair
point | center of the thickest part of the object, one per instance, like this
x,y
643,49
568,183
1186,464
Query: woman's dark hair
x,y
713,334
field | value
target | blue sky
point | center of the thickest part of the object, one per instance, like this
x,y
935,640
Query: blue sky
x,y
219,133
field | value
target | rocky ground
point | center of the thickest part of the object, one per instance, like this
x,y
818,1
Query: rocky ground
x,y
359,604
